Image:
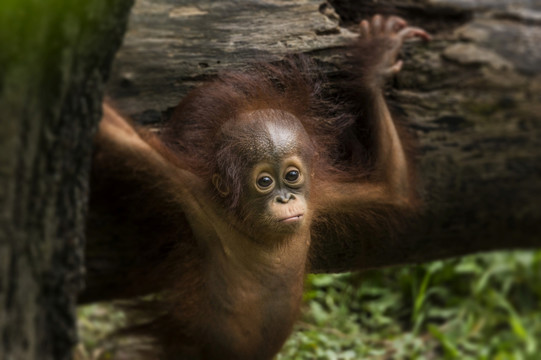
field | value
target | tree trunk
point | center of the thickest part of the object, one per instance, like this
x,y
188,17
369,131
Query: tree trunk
x,y
54,59
473,96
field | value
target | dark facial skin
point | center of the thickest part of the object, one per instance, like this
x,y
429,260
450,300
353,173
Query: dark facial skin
x,y
276,153
276,189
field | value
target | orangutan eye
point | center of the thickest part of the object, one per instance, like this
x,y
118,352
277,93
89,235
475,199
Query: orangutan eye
x,y
292,175
264,181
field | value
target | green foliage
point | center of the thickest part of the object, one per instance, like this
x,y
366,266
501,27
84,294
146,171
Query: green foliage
x,y
95,324
477,307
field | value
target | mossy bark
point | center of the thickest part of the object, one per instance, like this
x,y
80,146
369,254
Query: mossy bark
x,y
55,58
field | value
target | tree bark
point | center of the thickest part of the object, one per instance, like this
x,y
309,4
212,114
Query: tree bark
x,y
54,59
472,96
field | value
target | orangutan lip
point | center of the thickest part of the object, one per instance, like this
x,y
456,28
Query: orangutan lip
x,y
292,218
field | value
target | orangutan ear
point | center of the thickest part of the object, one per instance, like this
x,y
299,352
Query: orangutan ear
x,y
218,183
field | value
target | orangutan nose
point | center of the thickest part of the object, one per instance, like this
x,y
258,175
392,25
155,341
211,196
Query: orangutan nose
x,y
284,197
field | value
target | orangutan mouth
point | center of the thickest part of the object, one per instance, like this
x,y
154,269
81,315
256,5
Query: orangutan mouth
x,y
293,218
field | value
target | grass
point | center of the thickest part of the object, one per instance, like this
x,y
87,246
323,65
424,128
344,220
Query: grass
x,y
477,307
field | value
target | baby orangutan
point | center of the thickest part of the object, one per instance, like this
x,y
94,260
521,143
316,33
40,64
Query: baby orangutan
x,y
242,192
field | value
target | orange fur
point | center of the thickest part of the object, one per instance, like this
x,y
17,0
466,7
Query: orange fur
x,y
160,197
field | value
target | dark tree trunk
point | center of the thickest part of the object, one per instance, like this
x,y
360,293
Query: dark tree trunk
x,y
473,96
54,59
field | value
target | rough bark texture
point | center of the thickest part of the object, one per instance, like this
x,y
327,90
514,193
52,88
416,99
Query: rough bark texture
x,y
54,60
473,96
